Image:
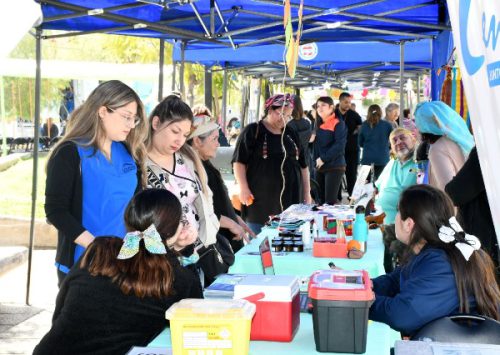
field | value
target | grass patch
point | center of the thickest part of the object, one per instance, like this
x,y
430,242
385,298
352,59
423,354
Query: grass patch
x,y
15,189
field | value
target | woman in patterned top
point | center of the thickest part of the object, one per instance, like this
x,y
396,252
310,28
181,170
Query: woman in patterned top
x,y
174,166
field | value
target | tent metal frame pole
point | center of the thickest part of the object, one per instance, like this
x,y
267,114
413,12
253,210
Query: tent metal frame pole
x,y
174,66
224,100
38,85
259,93
418,88
200,20
224,24
322,12
212,17
181,69
89,12
370,17
208,88
74,34
161,63
2,117
340,25
401,84
138,23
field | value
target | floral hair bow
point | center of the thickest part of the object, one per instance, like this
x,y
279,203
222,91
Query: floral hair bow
x,y
152,242
466,243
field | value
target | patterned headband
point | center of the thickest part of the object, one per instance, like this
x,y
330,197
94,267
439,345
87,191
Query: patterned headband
x,y
280,100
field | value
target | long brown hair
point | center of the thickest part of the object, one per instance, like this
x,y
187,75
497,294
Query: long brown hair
x,y
373,115
172,109
85,128
430,209
145,274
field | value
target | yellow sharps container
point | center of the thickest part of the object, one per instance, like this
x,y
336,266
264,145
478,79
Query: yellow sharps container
x,y
211,326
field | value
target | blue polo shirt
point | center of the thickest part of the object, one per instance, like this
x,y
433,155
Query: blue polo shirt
x,y
108,186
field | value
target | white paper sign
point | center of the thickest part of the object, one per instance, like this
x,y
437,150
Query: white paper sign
x,y
476,30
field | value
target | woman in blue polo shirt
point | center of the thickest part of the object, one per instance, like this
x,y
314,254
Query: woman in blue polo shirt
x,y
95,170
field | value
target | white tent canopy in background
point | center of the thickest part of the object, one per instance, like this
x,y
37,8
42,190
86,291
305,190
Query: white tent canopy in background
x,y
476,36
16,19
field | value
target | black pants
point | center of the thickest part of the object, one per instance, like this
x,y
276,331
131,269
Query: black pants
x,y
351,170
377,170
329,184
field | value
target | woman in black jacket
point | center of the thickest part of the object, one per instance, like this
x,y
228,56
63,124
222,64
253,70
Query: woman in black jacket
x,y
117,295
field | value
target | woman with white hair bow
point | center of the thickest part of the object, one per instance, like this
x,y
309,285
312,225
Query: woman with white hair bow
x,y
449,138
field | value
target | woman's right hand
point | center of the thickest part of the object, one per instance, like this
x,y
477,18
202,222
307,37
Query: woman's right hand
x,y
246,196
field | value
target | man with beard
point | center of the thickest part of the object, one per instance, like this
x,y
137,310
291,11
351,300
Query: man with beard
x,y
398,174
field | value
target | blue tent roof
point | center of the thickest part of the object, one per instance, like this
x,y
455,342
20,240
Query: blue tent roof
x,y
238,24
249,21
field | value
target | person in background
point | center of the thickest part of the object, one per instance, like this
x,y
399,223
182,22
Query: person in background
x,y
409,123
301,124
175,166
449,138
468,193
199,110
204,141
398,174
353,123
104,143
392,115
353,106
117,295
329,150
445,273
374,139
257,163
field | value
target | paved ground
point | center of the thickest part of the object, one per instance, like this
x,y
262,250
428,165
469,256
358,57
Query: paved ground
x,y
21,326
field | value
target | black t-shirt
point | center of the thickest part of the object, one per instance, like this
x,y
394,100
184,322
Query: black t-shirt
x,y
352,120
261,151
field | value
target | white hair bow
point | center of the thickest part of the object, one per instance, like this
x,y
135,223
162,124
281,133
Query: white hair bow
x,y
466,243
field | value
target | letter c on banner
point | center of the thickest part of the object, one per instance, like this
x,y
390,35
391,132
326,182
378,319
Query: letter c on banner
x,y
472,63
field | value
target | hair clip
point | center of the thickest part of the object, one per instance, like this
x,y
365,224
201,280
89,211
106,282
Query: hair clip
x,y
152,242
464,242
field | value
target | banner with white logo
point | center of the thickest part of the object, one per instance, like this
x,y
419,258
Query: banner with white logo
x,y
476,32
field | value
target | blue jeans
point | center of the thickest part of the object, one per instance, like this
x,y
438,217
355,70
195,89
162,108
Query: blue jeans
x,y
255,227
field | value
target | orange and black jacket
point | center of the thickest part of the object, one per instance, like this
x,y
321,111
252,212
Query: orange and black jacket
x,y
329,145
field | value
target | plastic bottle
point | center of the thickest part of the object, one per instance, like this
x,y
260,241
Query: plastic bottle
x,y
360,228
306,235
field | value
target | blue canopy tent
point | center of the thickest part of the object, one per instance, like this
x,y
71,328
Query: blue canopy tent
x,y
371,63
237,24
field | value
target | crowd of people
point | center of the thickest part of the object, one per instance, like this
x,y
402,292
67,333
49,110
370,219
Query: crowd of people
x,y
144,218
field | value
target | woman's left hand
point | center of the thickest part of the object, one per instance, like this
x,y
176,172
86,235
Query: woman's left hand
x,y
319,163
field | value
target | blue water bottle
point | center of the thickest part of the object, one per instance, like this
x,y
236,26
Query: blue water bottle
x,y
360,228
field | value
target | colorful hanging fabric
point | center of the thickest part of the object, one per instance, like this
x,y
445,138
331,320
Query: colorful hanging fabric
x,y
291,43
458,100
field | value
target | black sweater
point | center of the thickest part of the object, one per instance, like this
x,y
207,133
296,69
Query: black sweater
x,y
468,193
63,199
93,316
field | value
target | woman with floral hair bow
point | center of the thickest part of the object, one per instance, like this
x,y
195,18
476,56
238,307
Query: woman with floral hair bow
x,y
117,295
262,167
445,271
449,138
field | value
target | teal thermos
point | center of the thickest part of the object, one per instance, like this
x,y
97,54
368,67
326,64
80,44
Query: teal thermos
x,y
360,228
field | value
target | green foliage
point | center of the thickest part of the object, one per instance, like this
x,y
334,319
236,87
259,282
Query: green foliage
x,y
15,189
95,48
19,92
20,96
